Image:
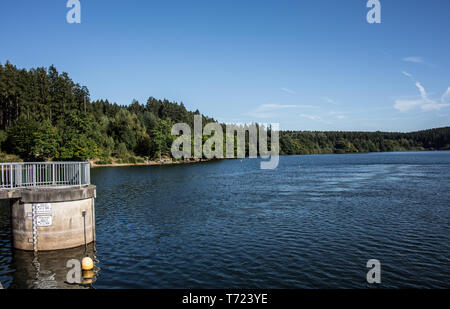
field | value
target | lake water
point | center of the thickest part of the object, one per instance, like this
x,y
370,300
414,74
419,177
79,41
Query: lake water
x,y
228,224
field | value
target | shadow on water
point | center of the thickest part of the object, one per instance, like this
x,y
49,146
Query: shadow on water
x,y
48,270
5,243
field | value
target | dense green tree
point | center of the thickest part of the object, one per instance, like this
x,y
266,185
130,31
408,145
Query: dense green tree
x,y
32,140
20,137
121,151
45,142
161,138
3,137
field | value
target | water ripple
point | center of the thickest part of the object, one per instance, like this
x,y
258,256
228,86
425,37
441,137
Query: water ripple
x,y
230,225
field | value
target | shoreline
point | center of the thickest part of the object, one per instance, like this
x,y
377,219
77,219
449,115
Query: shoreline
x,y
151,163
194,161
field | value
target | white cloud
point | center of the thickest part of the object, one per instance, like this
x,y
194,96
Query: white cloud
x,y
288,90
423,93
268,110
414,59
311,117
430,104
433,106
266,107
446,96
261,115
425,103
329,100
407,74
338,115
406,105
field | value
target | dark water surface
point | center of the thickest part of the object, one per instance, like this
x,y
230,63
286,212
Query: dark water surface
x,y
229,224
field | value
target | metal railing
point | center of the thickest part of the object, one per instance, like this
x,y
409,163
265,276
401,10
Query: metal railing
x,y
44,175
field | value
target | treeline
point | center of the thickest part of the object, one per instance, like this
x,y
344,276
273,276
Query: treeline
x,y
295,142
47,116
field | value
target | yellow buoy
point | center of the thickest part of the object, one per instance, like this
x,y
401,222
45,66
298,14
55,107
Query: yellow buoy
x,y
88,274
87,263
88,281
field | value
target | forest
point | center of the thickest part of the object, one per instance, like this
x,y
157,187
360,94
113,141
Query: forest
x,y
46,116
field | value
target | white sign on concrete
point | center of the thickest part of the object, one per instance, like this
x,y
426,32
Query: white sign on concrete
x,y
43,208
44,220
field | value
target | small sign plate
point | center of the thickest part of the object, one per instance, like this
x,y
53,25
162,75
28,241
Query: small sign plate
x,y
44,220
43,208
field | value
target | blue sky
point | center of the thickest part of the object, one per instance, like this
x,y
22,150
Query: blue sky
x,y
308,65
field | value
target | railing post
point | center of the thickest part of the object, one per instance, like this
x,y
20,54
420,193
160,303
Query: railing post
x,y
11,175
53,174
19,176
34,175
88,174
79,173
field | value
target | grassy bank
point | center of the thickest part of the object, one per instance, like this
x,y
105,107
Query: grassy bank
x,y
139,161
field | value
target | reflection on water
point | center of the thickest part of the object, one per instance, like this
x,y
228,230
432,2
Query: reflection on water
x,y
47,270
6,271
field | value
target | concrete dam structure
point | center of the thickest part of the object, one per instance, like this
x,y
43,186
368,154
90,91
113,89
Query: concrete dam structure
x,y
52,204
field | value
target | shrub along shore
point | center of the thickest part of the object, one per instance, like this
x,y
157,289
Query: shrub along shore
x,y
143,162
